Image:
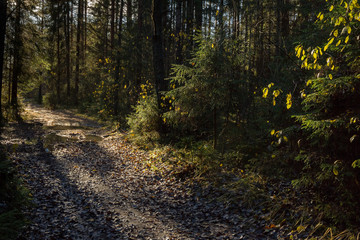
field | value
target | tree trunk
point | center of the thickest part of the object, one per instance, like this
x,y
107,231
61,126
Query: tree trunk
x,y
68,49
129,13
278,27
139,44
58,82
198,14
17,60
112,24
158,52
78,51
3,8
118,59
178,25
189,27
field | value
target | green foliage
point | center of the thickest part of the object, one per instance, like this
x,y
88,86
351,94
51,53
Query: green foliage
x,y
144,122
50,100
330,119
13,198
196,89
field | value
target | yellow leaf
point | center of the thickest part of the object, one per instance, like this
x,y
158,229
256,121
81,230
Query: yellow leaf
x,y
285,139
331,8
212,45
288,101
125,86
349,29
347,39
338,43
330,76
336,33
298,54
274,102
270,85
272,132
335,171
265,92
276,93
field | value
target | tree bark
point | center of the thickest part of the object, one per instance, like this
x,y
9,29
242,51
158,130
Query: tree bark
x,y
78,51
178,54
68,49
129,13
3,8
158,52
189,27
58,82
118,59
198,14
112,24
17,59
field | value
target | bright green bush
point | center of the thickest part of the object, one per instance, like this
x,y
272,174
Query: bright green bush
x,y
144,122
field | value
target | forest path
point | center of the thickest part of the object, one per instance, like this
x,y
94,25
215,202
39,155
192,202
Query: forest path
x,y
89,183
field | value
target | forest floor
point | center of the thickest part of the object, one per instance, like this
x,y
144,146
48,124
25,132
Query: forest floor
x,y
89,182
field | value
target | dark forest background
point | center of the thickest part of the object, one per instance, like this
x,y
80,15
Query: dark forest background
x,y
264,90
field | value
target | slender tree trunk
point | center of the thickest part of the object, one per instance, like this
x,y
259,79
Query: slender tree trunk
x,y
17,59
285,27
11,66
68,50
129,13
198,14
139,44
58,82
112,24
278,27
158,52
178,25
78,51
190,27
210,15
3,8
84,34
118,62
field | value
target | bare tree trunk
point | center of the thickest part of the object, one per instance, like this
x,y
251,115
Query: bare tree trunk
x,y
112,24
178,25
84,33
190,27
139,55
278,27
3,8
118,59
78,50
17,60
198,14
158,52
129,13
68,50
58,82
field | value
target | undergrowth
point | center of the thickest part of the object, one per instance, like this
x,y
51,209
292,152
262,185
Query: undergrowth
x,y
13,198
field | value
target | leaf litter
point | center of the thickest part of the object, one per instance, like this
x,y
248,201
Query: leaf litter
x,y
102,187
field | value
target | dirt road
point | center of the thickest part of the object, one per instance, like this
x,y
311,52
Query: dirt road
x,y
90,183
